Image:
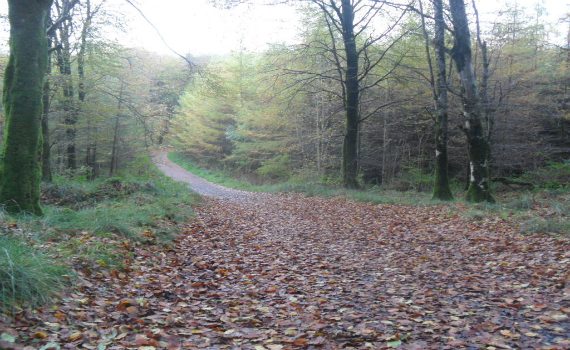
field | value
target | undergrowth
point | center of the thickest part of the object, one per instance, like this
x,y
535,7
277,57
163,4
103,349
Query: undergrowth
x,y
544,210
27,275
89,225
372,194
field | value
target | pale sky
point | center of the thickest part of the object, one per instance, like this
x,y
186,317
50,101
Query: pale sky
x,y
196,27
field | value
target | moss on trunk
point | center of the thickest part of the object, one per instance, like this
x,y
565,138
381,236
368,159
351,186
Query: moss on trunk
x,y
441,189
23,89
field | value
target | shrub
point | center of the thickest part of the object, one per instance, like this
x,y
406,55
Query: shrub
x,y
546,225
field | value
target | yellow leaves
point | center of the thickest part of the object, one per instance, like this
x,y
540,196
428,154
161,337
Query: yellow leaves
x,y
290,331
40,335
75,336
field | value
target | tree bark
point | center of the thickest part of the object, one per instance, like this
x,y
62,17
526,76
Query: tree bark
x,y
90,157
23,89
441,189
64,64
350,144
46,149
479,149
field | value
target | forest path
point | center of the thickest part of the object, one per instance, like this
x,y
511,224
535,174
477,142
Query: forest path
x,y
196,183
288,272
283,271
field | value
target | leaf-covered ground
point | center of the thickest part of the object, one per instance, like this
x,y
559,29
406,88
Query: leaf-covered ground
x,y
289,272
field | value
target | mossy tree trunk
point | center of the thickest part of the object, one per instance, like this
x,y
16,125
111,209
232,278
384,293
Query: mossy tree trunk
x,y
478,144
441,189
23,90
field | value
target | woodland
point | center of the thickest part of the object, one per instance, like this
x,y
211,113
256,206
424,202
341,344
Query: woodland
x,y
398,177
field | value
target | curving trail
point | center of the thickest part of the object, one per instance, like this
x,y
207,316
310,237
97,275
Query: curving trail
x,y
277,272
196,183
286,271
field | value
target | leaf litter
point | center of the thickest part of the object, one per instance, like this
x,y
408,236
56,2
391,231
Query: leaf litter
x,y
291,272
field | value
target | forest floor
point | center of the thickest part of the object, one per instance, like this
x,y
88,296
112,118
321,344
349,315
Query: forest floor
x,y
284,271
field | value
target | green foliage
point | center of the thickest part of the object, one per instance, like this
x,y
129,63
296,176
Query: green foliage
x,y
234,120
86,223
212,175
276,168
546,225
524,202
554,176
26,275
413,178
122,206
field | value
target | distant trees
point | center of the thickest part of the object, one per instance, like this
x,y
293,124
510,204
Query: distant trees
x,y
352,53
23,88
99,104
231,118
366,96
499,95
106,102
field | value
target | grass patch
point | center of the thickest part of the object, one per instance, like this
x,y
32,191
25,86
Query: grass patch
x,y
121,206
26,275
546,225
214,176
373,194
91,225
115,209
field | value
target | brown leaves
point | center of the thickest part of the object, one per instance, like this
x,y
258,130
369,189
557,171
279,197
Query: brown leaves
x,y
287,272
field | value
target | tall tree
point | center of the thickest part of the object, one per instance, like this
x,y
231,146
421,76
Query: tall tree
x,y
356,58
473,111
441,189
23,89
64,62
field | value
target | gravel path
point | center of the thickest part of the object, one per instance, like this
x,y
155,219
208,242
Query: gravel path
x,y
196,183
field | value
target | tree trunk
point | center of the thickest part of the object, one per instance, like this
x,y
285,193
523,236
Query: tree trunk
x,y
350,145
113,166
23,89
81,89
46,151
441,189
479,149
64,64
114,150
